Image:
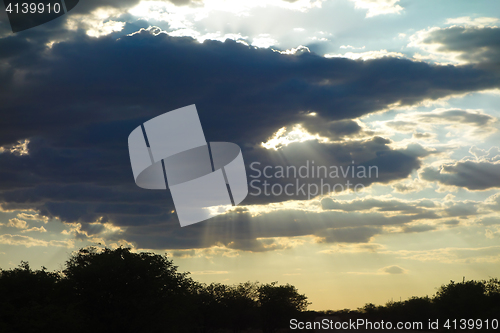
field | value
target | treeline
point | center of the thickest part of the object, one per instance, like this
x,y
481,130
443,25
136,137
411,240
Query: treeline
x,y
464,300
121,291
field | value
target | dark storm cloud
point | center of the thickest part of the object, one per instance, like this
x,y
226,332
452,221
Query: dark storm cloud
x,y
94,80
78,101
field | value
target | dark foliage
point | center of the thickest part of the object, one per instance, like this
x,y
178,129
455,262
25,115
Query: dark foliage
x,y
121,291
465,300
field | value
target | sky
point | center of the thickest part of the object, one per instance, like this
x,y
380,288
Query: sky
x,y
409,90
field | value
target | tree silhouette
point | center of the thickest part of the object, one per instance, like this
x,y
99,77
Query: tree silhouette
x,y
468,299
30,301
129,292
230,307
278,304
122,291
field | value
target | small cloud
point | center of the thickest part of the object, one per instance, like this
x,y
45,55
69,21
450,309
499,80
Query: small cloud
x,y
489,234
366,55
30,241
478,21
264,41
34,217
418,135
20,148
393,270
451,222
379,7
418,228
35,229
17,223
351,47
296,50
491,220
414,185
348,235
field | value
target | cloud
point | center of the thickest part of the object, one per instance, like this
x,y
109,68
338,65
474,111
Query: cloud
x,y
418,228
461,44
379,7
366,55
394,205
351,47
462,209
348,235
17,223
273,230
468,174
263,244
340,248
27,241
464,123
82,97
489,221
489,254
477,21
490,155
443,116
393,270
33,217
19,148
407,186
179,18
423,136
35,229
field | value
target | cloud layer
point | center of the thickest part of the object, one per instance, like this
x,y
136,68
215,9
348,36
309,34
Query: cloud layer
x,y
77,101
